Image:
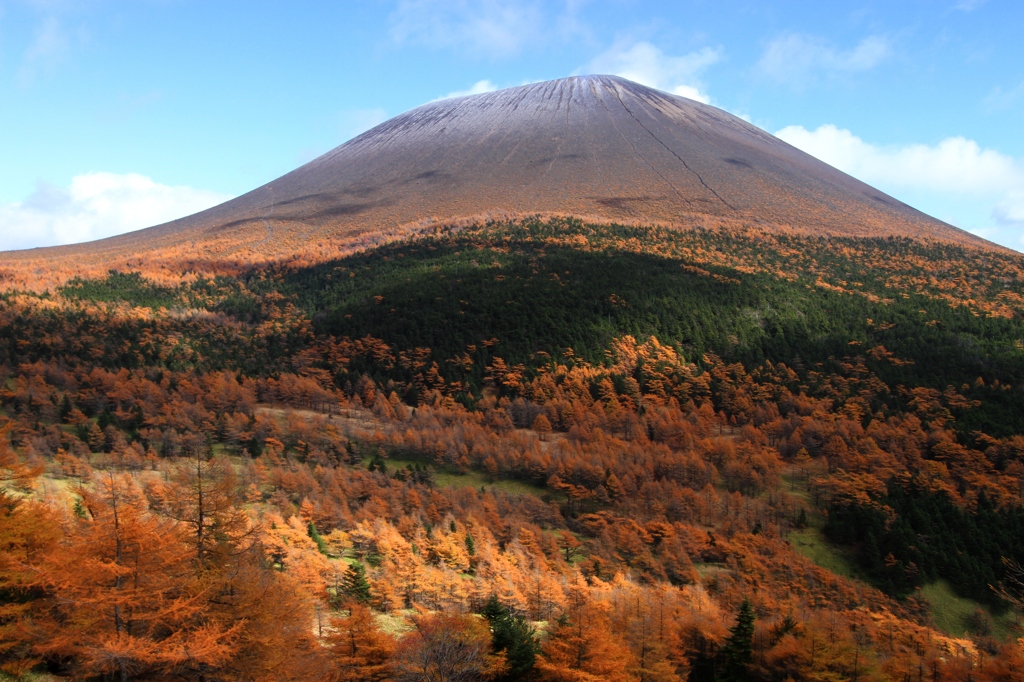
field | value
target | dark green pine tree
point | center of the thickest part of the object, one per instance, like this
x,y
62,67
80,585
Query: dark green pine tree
x,y
354,584
314,535
515,636
737,651
65,407
377,464
494,610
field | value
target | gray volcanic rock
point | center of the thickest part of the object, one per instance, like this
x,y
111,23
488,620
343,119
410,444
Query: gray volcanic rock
x,y
595,146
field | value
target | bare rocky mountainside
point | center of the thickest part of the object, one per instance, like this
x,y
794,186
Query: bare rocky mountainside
x,y
598,147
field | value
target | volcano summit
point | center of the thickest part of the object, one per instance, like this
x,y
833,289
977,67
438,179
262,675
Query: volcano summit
x,y
598,147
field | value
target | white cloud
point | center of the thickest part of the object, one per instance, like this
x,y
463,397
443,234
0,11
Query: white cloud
x,y
999,99
1010,211
646,64
955,164
797,59
969,5
96,205
478,88
50,46
978,189
492,27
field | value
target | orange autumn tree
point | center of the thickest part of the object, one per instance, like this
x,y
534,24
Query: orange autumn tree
x,y
123,602
269,611
582,647
27,530
276,638
203,496
447,648
14,471
359,650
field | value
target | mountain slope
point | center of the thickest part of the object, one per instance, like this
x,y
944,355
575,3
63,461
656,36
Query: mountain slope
x,y
599,147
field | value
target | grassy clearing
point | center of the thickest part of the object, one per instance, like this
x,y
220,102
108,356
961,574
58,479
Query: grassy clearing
x,y
812,544
952,614
705,569
471,478
959,616
478,479
396,623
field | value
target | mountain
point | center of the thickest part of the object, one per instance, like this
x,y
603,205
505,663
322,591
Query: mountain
x,y
599,147
628,378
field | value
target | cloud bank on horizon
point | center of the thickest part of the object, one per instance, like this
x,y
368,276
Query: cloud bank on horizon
x,y
96,205
960,170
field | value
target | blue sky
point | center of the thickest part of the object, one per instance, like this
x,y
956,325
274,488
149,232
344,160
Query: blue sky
x,y
116,115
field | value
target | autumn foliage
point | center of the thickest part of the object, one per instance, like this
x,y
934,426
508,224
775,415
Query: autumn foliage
x,y
204,495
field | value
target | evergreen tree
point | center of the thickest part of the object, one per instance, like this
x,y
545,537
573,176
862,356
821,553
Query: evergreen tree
x,y
515,636
354,584
314,535
738,649
494,610
105,419
377,464
65,407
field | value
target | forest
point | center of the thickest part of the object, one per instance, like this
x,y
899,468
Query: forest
x,y
535,450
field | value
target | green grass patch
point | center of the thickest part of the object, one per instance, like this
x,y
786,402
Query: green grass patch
x,y
470,478
959,616
31,677
396,623
478,479
811,543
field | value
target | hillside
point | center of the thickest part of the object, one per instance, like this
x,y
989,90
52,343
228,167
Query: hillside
x,y
700,446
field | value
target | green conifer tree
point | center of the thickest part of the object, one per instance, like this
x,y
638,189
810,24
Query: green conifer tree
x,y
354,584
737,651
65,407
314,535
515,636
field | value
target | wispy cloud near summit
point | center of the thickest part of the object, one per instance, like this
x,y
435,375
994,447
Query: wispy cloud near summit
x,y
478,88
649,65
496,28
798,59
